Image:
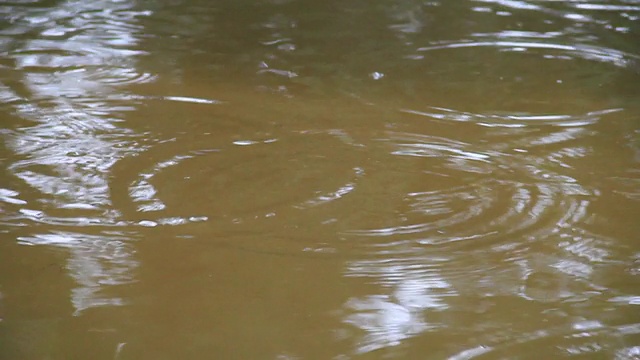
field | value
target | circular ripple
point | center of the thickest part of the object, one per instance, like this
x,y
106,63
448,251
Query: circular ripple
x,y
247,182
471,195
535,79
114,75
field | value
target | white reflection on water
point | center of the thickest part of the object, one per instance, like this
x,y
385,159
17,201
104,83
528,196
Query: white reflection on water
x,y
71,63
95,262
386,323
512,229
388,320
415,292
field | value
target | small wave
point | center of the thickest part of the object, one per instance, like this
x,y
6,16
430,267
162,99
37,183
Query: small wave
x,y
582,339
490,204
587,52
513,120
241,180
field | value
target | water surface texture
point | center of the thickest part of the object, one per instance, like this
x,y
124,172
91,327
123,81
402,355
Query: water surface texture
x,y
323,179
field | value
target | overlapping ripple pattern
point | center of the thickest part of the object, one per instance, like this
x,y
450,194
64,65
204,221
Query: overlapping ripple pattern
x,y
450,180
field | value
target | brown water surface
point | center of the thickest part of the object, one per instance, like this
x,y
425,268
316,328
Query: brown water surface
x,y
320,180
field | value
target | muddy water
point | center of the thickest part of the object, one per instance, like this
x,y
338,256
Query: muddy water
x,y
319,180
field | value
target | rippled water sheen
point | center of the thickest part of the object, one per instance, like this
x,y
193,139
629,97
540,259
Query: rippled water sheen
x,y
319,180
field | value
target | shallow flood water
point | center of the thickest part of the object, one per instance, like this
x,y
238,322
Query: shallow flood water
x,y
320,180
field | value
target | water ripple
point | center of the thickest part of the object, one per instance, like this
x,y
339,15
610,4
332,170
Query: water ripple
x,y
63,67
233,188
583,339
588,52
502,190
513,120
